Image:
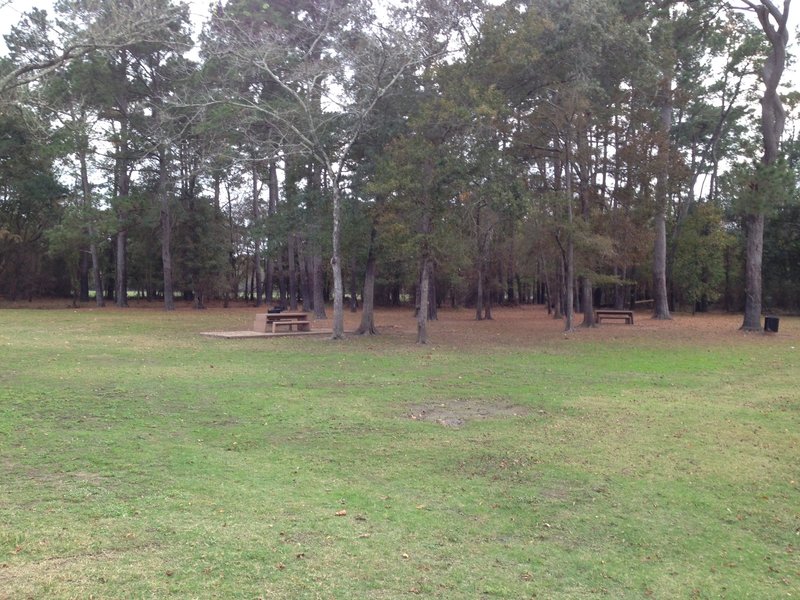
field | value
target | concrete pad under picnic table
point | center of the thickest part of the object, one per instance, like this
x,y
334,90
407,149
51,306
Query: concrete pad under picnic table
x,y
261,334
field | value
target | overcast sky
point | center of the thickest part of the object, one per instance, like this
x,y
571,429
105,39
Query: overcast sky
x,y
11,10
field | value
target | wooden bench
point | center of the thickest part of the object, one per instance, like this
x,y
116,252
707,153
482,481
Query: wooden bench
x,y
302,325
601,314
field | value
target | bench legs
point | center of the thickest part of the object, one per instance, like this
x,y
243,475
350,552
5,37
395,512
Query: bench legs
x,y
301,325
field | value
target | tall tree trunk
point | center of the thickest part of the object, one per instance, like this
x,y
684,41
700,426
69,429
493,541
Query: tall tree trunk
x,y
336,265
83,276
433,310
619,290
272,208
660,298
424,282
488,303
587,302
754,230
481,275
98,276
111,286
479,294
422,313
290,247
367,326
584,175
281,281
302,263
269,280
319,282
548,287
773,119
233,273
353,285
166,230
121,279
569,254
257,287
559,290
511,295
122,183
86,189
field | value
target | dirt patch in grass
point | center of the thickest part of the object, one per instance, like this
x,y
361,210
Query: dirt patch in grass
x,y
457,413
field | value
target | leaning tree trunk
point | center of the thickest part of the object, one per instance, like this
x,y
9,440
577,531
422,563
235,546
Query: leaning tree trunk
x,y
773,119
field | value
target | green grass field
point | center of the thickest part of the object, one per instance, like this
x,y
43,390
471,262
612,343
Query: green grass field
x,y
141,460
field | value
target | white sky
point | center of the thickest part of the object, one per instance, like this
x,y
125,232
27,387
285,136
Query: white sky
x,y
11,11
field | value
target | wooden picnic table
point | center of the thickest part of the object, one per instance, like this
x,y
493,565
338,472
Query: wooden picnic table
x,y
293,320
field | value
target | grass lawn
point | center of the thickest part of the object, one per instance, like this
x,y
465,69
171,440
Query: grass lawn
x,y
504,460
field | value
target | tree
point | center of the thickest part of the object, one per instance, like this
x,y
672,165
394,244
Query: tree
x,y
340,62
699,268
773,117
86,26
416,174
29,208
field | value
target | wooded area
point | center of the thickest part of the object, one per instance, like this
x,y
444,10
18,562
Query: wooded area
x,y
577,154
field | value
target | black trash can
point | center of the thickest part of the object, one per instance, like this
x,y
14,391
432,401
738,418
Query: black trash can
x,y
771,324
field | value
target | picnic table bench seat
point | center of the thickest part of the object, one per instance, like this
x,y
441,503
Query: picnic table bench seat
x,y
603,313
300,324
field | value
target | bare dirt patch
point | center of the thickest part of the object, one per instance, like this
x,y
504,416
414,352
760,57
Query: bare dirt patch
x,y
457,413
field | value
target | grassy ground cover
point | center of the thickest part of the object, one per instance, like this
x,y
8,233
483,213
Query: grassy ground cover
x,y
141,460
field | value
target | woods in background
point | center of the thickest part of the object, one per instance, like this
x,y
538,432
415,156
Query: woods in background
x,y
573,154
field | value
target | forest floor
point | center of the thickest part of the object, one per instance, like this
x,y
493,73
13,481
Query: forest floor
x,y
505,459
517,326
